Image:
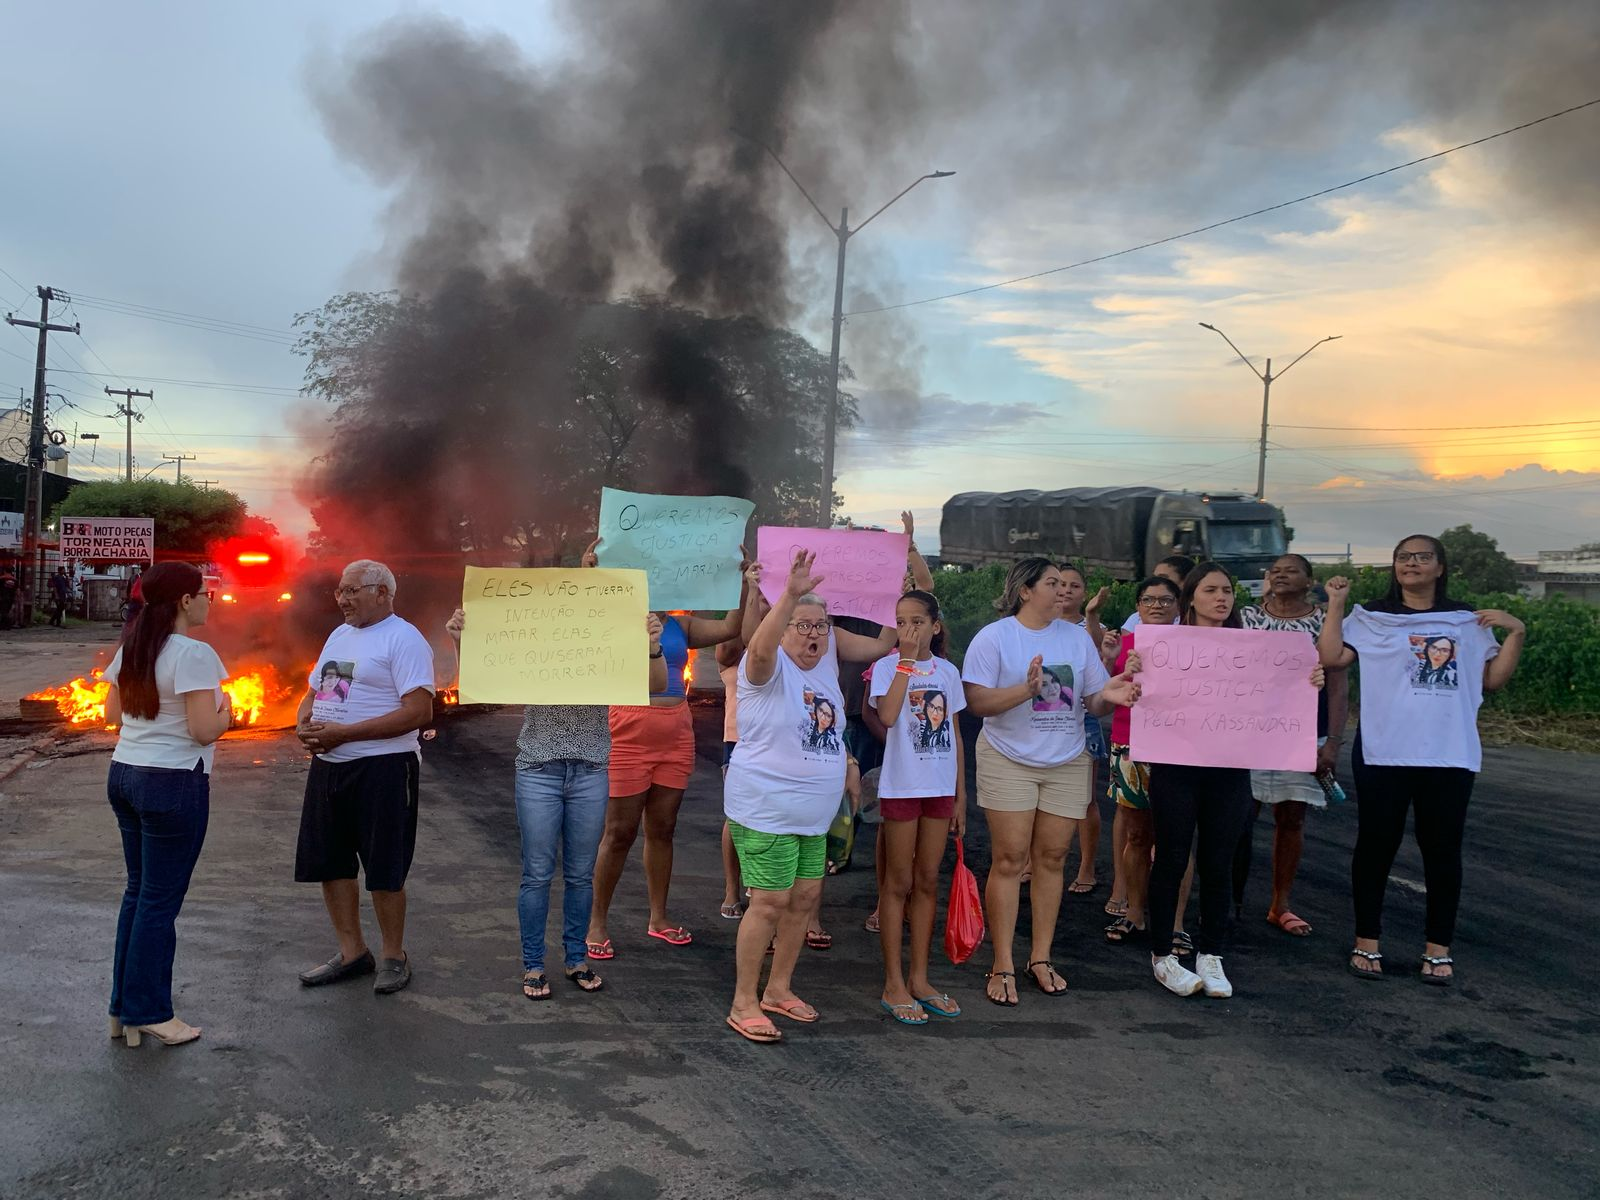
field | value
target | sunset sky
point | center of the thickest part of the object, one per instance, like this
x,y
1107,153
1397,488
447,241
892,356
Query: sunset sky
x,y
181,164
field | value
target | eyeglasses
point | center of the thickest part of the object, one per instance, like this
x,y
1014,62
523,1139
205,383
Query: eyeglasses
x,y
350,593
811,626
1421,557
1157,601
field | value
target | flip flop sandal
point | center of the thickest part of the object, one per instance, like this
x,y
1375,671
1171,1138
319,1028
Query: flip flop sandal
x,y
1002,1002
894,1010
600,951
583,976
535,979
1373,957
1116,908
754,1029
674,935
1060,991
1083,889
1121,931
1292,925
730,912
1182,944
871,924
795,1010
819,940
930,1006
1439,980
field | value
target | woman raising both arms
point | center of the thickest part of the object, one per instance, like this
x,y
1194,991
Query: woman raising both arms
x,y
1417,737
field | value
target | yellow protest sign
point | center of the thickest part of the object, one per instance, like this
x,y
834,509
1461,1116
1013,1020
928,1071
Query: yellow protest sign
x,y
548,635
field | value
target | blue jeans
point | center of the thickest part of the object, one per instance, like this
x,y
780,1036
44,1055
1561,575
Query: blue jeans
x,y
162,814
559,804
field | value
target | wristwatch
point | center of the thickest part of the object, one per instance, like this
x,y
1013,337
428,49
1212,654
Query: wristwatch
x,y
658,654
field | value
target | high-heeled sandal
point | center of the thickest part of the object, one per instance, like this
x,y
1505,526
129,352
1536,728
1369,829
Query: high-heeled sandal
x,y
186,1034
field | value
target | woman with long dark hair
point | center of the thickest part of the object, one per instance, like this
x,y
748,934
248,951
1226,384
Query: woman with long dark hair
x,y
1213,801
1417,738
167,698
916,692
1034,781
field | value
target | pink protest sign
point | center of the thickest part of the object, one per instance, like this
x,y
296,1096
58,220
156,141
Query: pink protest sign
x,y
862,570
1225,698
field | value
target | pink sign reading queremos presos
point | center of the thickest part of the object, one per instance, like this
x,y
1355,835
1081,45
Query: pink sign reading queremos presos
x,y
1225,698
862,570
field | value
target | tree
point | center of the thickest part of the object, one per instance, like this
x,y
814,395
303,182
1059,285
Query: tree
x,y
188,519
1477,563
487,416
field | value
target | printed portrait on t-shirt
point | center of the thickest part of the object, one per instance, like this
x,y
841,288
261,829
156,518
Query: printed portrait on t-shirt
x,y
1436,667
334,680
819,732
929,727
1056,694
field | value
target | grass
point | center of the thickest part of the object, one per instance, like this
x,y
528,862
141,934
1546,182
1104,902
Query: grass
x,y
1577,731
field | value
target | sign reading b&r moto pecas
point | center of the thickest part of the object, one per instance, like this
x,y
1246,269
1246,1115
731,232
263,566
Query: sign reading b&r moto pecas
x,y
109,539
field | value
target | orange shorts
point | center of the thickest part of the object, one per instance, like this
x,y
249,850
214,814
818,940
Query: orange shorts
x,y
650,745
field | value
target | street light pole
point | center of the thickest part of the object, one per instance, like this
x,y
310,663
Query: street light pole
x,y
843,233
1267,379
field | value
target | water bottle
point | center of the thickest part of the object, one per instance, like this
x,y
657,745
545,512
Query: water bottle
x,y
1330,787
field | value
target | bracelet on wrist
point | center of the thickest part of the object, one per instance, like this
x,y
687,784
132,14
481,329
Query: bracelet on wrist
x,y
658,654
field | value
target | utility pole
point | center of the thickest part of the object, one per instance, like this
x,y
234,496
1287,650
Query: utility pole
x,y
33,516
843,233
1267,380
180,459
205,484
125,410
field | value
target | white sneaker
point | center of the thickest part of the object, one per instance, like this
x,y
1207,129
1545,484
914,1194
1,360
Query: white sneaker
x,y
1175,977
1216,983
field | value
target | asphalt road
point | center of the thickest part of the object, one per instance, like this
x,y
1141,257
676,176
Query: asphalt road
x,y
1307,1083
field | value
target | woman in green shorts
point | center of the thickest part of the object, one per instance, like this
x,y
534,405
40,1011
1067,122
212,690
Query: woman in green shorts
x,y
783,787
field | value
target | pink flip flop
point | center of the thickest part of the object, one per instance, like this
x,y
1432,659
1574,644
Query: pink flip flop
x,y
673,935
600,951
795,1010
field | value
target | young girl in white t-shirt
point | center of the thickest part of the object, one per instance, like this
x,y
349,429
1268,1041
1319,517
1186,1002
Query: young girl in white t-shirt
x,y
916,693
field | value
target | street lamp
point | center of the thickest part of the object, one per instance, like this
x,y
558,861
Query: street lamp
x,y
843,233
1266,395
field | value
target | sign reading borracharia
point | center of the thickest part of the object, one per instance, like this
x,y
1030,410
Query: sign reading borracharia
x,y
108,539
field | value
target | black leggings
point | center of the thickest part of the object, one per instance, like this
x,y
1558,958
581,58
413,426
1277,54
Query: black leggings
x,y
1439,795
1217,802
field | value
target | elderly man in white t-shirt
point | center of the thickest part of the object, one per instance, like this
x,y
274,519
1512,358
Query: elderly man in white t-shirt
x,y
369,692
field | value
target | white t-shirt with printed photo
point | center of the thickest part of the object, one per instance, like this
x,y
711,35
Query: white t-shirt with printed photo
x,y
1047,730
1421,685
919,755
787,771
364,673
184,665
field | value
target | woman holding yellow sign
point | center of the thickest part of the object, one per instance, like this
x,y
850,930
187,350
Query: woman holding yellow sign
x,y
563,751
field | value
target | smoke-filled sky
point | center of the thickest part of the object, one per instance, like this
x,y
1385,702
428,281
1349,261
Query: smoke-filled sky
x,y
243,164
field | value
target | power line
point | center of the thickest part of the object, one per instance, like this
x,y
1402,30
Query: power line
x,y
137,308
199,383
1338,187
1433,428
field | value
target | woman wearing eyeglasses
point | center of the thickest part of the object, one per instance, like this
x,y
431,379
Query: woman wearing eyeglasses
x,y
783,785
1157,604
1417,741
166,698
1034,780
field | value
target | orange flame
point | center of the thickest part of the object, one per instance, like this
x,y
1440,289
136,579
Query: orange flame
x,y
83,700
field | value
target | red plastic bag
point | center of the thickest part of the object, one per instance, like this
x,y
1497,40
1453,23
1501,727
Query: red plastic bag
x,y
963,918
